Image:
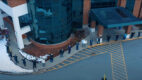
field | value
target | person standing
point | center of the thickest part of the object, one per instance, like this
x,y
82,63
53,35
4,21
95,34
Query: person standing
x,y
117,37
10,55
124,37
77,46
51,57
132,34
61,52
91,42
7,48
84,43
34,64
43,63
69,49
16,59
6,33
24,61
139,34
108,38
99,40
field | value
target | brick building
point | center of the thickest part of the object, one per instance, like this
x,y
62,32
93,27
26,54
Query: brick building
x,y
35,18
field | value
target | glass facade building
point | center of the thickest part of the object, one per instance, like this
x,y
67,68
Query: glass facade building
x,y
5,1
130,5
103,3
52,21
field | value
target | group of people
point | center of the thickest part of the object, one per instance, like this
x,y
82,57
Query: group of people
x,y
61,52
15,57
124,37
34,62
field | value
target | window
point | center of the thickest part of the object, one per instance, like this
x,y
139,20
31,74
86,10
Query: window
x,y
25,20
130,5
103,3
54,18
5,1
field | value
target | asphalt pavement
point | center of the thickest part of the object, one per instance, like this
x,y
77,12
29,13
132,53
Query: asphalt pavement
x,y
92,68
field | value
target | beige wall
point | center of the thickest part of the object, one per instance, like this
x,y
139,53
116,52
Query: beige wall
x,y
13,3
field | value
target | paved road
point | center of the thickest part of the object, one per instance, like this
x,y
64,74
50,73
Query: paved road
x,y
133,57
94,67
89,69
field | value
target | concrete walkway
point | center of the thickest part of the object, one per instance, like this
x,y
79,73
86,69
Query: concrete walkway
x,y
6,65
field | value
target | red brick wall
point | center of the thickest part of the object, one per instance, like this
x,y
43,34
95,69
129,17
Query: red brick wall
x,y
137,7
13,3
52,46
37,49
122,3
86,9
100,30
128,29
141,13
118,2
93,24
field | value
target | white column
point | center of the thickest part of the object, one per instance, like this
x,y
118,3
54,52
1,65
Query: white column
x,y
1,20
18,32
128,32
93,26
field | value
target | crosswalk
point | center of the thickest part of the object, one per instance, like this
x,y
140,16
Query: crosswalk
x,y
86,53
119,71
115,50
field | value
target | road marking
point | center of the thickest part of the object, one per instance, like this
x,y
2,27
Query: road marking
x,y
118,64
59,66
71,62
52,68
123,59
113,47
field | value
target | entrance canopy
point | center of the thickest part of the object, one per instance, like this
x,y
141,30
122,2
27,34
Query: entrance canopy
x,y
114,17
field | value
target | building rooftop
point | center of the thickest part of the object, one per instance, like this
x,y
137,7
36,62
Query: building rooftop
x,y
14,3
114,17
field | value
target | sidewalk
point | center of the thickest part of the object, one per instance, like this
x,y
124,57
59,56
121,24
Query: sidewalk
x,y
48,64
6,65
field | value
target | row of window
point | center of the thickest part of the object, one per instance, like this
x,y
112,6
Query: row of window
x,y
53,19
